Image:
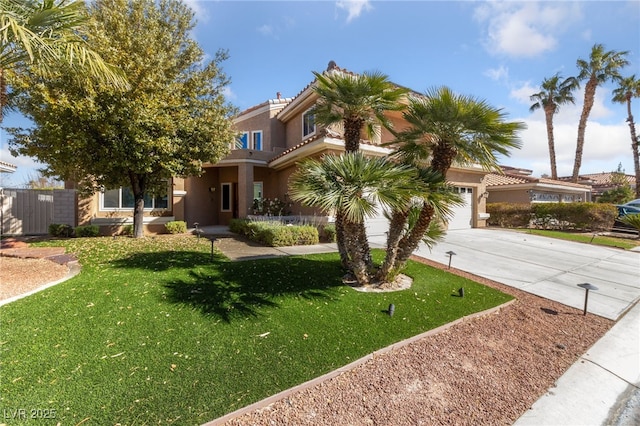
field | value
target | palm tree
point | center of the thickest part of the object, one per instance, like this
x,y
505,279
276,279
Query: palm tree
x,y
445,127
553,93
629,88
35,33
602,66
353,185
357,102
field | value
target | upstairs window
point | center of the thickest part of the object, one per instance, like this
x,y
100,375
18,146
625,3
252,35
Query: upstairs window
x,y
243,141
256,140
308,124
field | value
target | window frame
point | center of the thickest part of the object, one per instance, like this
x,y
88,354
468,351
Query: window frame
x,y
252,143
102,208
305,125
229,194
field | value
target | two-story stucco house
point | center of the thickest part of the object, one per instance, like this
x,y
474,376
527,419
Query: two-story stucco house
x,y
274,136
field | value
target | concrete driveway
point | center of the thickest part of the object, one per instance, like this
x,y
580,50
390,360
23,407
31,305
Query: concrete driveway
x,y
546,267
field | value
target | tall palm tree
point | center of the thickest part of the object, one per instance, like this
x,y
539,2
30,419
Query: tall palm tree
x,y
445,127
602,66
554,92
353,185
35,33
357,102
629,88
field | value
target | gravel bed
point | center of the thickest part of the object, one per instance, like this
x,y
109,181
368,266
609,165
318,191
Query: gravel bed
x,y
19,276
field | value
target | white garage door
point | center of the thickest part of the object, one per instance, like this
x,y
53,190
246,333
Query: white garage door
x,y
378,225
462,215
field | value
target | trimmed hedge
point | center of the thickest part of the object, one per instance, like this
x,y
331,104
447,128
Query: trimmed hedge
x,y
87,231
275,234
509,215
562,216
176,227
60,230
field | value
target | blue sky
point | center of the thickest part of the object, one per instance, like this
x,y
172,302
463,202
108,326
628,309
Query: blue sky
x,y
497,51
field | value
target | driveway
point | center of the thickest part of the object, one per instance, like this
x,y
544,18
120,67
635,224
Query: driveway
x,y
547,267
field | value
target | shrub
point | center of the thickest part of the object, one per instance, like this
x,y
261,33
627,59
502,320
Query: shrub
x,y
329,232
577,216
60,230
127,230
274,233
509,215
87,231
176,227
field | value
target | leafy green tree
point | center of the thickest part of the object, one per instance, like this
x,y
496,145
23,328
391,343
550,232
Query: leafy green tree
x,y
353,186
554,92
621,191
358,103
40,33
173,118
627,89
445,127
602,66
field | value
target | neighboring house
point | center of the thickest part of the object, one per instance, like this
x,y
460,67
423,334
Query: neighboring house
x,y
517,186
7,167
274,136
601,182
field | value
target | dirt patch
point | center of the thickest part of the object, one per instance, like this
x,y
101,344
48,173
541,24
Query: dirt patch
x,y
19,275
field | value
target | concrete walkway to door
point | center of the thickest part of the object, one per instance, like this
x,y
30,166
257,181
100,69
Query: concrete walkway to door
x,y
547,267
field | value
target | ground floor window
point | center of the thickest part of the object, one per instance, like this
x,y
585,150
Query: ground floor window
x,y
122,199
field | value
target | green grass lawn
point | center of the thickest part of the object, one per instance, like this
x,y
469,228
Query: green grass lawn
x,y
602,240
154,331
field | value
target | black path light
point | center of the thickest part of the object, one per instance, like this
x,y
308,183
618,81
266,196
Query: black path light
x,y
451,254
587,287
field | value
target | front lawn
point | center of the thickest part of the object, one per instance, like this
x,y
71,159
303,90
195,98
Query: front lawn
x,y
154,331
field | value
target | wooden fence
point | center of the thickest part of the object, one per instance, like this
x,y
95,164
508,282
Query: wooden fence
x,y
31,211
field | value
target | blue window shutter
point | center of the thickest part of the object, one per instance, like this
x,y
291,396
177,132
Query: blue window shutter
x,y
243,141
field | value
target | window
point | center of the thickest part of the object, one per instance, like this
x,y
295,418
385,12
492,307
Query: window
x,y
226,197
122,199
308,124
243,141
256,140
257,190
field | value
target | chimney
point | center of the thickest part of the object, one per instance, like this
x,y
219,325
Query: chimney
x,y
279,95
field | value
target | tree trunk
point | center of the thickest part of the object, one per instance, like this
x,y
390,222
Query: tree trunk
x,y
340,240
357,253
549,110
589,96
396,226
410,242
138,185
634,145
3,94
352,128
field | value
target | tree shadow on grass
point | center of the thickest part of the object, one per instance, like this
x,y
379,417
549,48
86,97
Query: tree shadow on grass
x,y
229,290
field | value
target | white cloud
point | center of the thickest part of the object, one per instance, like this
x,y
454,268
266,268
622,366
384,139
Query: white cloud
x,y
201,13
354,8
266,30
524,29
498,74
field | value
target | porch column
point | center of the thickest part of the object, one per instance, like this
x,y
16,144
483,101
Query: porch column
x,y
245,189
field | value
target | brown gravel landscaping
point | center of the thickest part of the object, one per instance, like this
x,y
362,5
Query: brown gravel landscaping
x,y
484,371
19,276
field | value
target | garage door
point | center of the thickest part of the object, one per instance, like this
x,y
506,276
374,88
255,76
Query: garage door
x,y
377,225
462,215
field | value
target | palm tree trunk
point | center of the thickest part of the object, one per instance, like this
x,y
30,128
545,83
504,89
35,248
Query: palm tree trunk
x,y
396,226
634,145
589,96
340,240
357,253
410,242
548,114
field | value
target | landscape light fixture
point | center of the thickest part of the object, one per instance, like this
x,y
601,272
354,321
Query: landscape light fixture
x,y
451,254
587,287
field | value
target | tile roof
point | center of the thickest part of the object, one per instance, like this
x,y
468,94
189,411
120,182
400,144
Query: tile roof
x,y
495,179
7,167
604,178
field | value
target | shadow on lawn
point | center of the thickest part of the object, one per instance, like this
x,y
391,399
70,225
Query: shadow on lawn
x,y
230,290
